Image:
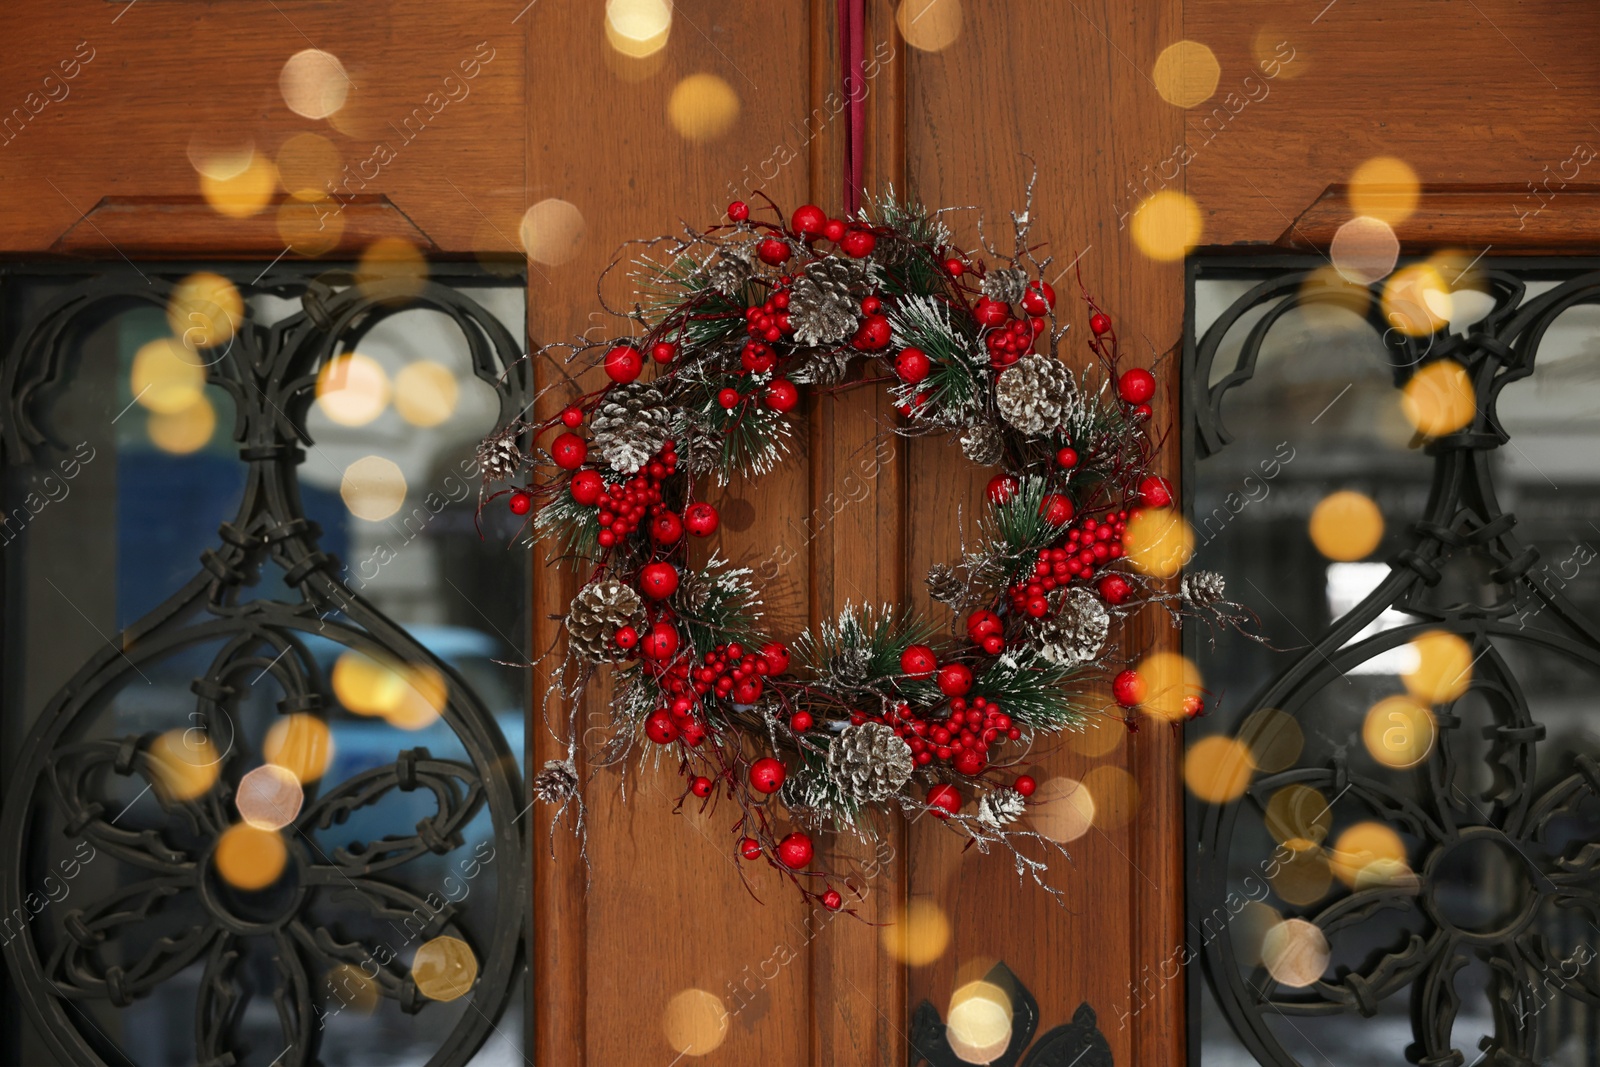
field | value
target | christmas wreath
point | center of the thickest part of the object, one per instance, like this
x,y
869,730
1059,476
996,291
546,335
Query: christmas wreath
x,y
868,712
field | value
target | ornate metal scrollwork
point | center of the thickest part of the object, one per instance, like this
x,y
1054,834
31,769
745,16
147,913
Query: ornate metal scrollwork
x,y
62,782
1078,1043
1463,521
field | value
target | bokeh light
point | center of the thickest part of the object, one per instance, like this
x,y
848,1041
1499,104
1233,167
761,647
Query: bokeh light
x,y
1364,250
1167,225
1274,737
166,377
373,488
696,1022
1217,769
204,310
978,1024
392,268
308,164
444,968
241,195
1299,817
1169,678
703,107
1439,398
313,83
301,744
1330,301
1159,541
310,228
425,393
1099,735
1384,188
929,25
1303,878
184,763
1295,953
407,696
1369,853
248,857
182,432
349,989
1417,300
218,157
1399,732
1114,794
1346,525
1250,928
919,934
1444,667
269,797
638,28
1186,74
552,232
352,389
1061,809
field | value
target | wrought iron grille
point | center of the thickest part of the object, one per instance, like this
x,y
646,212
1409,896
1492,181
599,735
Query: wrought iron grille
x,y
370,860
1473,939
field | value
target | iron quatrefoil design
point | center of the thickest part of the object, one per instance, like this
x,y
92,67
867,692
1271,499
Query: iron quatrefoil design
x,y
1464,525
167,912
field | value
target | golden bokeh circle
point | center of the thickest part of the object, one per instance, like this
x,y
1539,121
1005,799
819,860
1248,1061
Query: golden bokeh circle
x,y
269,797
444,968
182,432
248,857
1364,250
1399,732
313,83
352,990
638,28
978,1024
1417,300
1159,541
1295,953
552,232
425,393
167,377
301,744
1186,74
1303,878
929,25
1099,735
310,227
696,1022
1061,809
352,389
1114,793
919,934
244,194
220,157
1217,769
1367,851
1169,678
308,166
1385,188
1443,670
393,268
184,763
204,310
1346,525
1299,817
703,107
1274,737
1439,398
1167,225
373,488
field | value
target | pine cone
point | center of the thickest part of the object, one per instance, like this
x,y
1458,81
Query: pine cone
x,y
983,444
822,306
1000,807
822,366
1035,393
499,457
693,593
869,762
847,668
1005,285
944,585
1201,589
630,426
1076,632
557,783
597,612
730,272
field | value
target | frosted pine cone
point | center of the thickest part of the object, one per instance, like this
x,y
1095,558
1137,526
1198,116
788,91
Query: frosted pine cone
x,y
499,457
983,444
822,304
944,585
1005,285
598,611
630,426
1076,633
1001,807
557,783
693,593
847,668
1201,589
730,272
1035,394
823,366
869,762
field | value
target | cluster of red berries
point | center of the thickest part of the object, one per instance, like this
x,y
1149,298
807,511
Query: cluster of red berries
x,y
1011,342
623,505
733,673
809,222
1088,547
769,322
961,740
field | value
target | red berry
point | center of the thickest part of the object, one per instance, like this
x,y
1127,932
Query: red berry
x,y
658,580
1141,412
773,251
623,364
750,848
982,623
1193,706
1067,457
795,851
571,417
625,638
808,219
955,679
569,451
873,334
800,722
1155,492
832,900
777,656
1039,298
666,528
782,395
1025,785
918,661
913,365
1127,688
954,267
766,775
728,398
1001,488
701,519
993,644
945,797
1056,509
970,762
858,244
871,306
834,230
738,211
663,351
661,642
1100,323
701,786
1114,589
1136,386
586,487
660,728
521,503
747,690
990,312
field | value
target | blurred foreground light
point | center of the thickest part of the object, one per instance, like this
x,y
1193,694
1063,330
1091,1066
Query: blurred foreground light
x,y
703,107
349,989
978,1025
166,377
407,696
301,744
1159,541
1217,769
373,488
248,857
1274,737
313,83
1384,188
220,158
269,797
310,228
1299,817
1439,398
1364,250
1303,878
184,763
1169,678
243,194
696,1022
1115,795
919,934
308,164
1399,732
552,232
352,389
444,968
1370,854
1346,525
1417,300
393,269
1295,953
1444,667
638,28
1167,225
179,433
929,25
1186,74
1061,809
204,310
425,393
